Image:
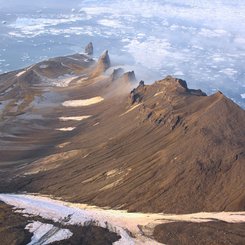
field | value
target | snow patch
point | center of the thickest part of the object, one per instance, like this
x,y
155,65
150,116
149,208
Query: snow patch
x,y
118,221
131,109
63,145
63,81
20,73
86,102
77,118
43,66
156,94
46,233
65,129
79,214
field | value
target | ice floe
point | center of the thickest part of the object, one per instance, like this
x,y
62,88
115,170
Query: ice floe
x,y
110,23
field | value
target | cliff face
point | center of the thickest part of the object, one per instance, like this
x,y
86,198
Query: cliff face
x,y
71,131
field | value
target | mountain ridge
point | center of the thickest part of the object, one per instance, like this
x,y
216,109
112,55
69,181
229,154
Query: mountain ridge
x,y
159,148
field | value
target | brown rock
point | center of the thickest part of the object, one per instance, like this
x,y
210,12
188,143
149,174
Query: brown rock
x,y
117,73
129,77
102,65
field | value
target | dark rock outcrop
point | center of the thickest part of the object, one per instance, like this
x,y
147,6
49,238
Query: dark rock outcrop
x,y
129,77
117,73
197,92
136,94
104,61
142,83
179,86
89,49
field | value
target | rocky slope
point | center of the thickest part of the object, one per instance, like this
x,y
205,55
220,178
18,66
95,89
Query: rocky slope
x,y
13,231
12,227
70,130
214,232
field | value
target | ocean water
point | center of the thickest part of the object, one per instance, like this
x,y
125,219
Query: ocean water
x,y
202,42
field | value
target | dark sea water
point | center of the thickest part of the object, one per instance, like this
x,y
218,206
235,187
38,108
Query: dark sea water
x,y
203,43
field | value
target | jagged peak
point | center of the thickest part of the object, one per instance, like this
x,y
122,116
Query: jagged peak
x,y
103,64
129,76
172,81
179,85
104,60
136,94
89,49
142,83
105,54
170,86
117,73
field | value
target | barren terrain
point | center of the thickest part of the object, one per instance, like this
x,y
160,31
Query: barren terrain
x,y
71,131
